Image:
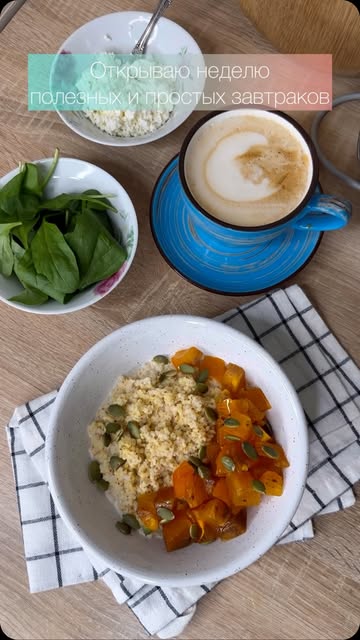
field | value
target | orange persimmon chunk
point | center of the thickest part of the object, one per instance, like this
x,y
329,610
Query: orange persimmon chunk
x,y
247,499
187,356
212,449
257,397
274,452
234,453
214,513
188,485
177,532
242,430
146,510
221,491
256,416
234,378
273,483
259,434
165,497
234,527
262,465
241,489
230,407
215,367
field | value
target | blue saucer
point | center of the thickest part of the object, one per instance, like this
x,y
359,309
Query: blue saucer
x,y
236,270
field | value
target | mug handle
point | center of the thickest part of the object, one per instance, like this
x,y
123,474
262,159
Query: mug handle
x,y
324,213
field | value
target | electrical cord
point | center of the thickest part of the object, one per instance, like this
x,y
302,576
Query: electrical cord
x,y
351,182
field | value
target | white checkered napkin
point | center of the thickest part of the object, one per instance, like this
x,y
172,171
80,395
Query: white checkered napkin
x,y
328,383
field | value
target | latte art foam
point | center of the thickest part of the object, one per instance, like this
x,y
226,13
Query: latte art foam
x,y
248,170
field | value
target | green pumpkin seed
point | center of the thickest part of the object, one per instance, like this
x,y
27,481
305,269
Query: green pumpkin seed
x,y
196,462
146,531
131,521
187,368
258,486
119,434
228,463
134,429
106,439
203,471
228,436
171,373
194,532
94,471
202,452
258,430
102,484
161,359
116,410
116,462
211,414
123,527
112,427
164,514
201,387
231,422
249,450
203,375
269,451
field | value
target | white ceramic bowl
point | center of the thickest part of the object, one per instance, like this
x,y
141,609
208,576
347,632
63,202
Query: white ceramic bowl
x,y
74,176
91,515
118,33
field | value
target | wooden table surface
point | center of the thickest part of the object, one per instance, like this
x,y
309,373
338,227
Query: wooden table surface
x,y
299,591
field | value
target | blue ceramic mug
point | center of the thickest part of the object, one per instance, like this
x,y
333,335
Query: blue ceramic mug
x,y
315,212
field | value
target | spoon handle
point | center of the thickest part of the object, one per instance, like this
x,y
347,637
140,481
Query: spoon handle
x,y
142,42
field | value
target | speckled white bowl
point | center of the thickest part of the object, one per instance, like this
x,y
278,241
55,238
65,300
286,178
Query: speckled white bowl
x,y
118,33
88,512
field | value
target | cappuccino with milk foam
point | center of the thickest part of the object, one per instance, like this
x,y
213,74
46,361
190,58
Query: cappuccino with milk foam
x,y
248,169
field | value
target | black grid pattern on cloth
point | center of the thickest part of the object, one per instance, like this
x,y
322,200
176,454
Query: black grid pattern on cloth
x,y
288,327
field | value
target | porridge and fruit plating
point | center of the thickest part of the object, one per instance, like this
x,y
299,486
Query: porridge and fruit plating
x,y
183,447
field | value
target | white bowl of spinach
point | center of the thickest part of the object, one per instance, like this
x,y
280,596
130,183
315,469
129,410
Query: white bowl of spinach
x,y
68,235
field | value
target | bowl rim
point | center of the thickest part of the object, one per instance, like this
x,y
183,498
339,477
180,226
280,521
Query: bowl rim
x,y
70,519
41,309
119,141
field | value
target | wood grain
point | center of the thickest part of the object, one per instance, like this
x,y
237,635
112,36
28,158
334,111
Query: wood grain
x,y
305,26
305,591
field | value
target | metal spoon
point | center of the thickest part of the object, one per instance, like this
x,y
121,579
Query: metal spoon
x,y
143,40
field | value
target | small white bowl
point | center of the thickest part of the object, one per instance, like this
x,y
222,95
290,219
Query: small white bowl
x,y
74,176
118,33
90,514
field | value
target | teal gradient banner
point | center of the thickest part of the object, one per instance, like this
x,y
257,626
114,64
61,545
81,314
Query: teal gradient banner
x,y
119,82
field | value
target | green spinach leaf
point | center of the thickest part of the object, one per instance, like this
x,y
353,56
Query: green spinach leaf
x,y
25,270
30,297
98,254
12,188
67,200
22,233
6,253
22,207
54,259
100,201
17,250
31,182
52,168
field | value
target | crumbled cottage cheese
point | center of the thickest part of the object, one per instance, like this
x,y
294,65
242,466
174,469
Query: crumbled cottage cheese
x,y
128,123
145,114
